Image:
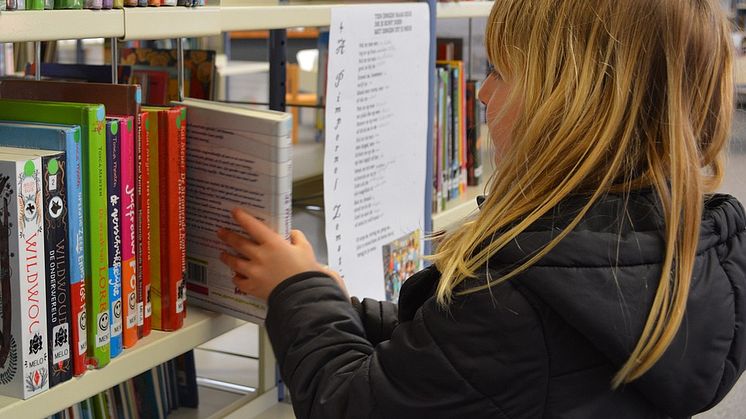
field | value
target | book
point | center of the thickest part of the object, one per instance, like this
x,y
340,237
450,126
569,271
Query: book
x,y
63,138
54,215
80,72
113,189
153,237
473,133
67,4
34,4
91,119
142,197
130,3
154,84
15,4
169,149
236,157
186,375
93,4
107,4
24,366
129,238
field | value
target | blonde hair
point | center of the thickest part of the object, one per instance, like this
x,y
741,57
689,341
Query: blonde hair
x,y
614,96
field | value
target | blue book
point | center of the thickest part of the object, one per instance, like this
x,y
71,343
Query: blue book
x,y
63,138
114,186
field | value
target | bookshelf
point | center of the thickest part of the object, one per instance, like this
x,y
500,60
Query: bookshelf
x,y
173,22
199,327
161,23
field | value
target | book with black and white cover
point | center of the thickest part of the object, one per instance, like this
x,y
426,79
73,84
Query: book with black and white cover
x,y
236,157
24,366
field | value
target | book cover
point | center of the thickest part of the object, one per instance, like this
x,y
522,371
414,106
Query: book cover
x,y
54,214
67,4
235,157
24,365
63,138
153,256
129,238
93,139
169,189
144,212
113,190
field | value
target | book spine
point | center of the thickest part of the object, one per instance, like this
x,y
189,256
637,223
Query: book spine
x,y
154,3
48,4
97,246
142,3
118,4
33,313
93,4
113,178
167,306
58,282
181,293
144,218
156,286
129,237
107,4
76,249
472,134
168,2
68,4
34,4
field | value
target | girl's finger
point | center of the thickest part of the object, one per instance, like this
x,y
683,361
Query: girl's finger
x,y
244,246
238,265
297,238
255,228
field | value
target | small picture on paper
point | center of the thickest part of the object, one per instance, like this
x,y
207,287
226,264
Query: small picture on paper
x,y
401,259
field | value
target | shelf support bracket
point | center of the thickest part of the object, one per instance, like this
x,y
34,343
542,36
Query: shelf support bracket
x,y
180,66
37,60
114,61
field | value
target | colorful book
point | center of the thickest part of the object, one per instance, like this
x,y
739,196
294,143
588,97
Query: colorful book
x,y
169,191
93,138
34,5
93,4
67,4
130,3
118,4
15,4
154,237
144,218
54,213
129,237
113,178
107,4
236,157
142,3
63,138
24,366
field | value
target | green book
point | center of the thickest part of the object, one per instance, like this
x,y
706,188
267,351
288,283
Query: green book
x,y
91,119
68,4
34,4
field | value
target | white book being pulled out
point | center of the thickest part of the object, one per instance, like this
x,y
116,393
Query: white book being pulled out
x,y
236,157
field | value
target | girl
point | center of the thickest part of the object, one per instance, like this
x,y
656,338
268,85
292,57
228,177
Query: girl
x,y
600,278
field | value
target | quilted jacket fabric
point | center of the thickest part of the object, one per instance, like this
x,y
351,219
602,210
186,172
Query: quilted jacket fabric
x,y
542,345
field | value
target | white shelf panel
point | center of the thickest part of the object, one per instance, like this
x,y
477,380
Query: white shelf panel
x,y
170,22
457,209
246,18
199,327
464,9
49,25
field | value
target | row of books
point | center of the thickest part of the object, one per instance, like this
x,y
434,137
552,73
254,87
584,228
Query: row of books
x,y
457,161
127,221
153,394
94,213
92,4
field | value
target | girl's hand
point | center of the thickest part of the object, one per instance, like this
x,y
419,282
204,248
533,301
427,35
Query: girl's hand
x,y
264,261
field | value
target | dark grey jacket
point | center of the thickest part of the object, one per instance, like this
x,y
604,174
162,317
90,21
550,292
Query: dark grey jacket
x,y
543,345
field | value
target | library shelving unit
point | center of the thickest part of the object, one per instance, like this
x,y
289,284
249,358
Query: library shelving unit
x,y
163,23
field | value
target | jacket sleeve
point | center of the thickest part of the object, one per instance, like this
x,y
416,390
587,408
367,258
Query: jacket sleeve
x,y
334,371
379,318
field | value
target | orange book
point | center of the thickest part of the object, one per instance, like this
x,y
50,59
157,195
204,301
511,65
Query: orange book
x,y
143,227
168,307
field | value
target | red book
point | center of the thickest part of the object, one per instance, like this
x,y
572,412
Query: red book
x,y
143,227
168,307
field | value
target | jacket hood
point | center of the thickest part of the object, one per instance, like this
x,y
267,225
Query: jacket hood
x,y
603,276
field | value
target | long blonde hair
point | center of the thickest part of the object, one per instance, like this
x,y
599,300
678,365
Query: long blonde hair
x,y
614,96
